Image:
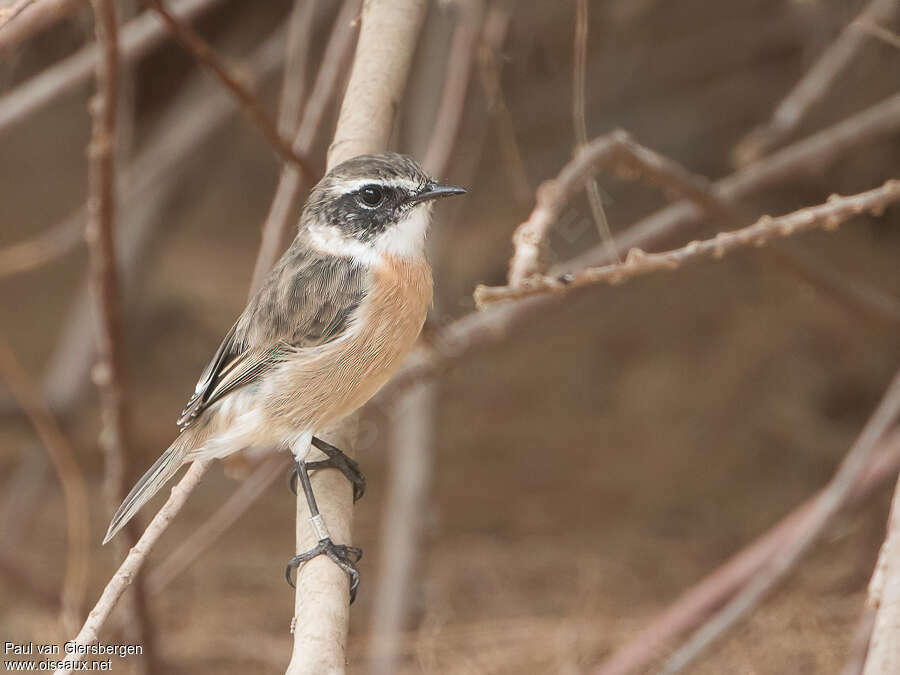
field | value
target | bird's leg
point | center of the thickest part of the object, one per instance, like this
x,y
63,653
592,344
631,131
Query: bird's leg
x,y
344,557
336,460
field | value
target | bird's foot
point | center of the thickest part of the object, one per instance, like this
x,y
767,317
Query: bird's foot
x,y
336,460
344,557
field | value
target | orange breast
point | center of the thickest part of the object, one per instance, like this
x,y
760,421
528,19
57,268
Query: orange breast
x,y
315,392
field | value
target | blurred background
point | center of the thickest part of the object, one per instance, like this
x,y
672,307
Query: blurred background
x,y
603,457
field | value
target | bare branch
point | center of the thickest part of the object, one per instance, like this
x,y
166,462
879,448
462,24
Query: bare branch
x,y
136,39
878,31
70,478
293,88
616,150
698,602
812,88
638,263
479,330
9,13
456,84
137,555
150,183
206,55
579,67
833,498
100,235
387,41
45,247
412,439
883,655
32,17
810,156
133,562
489,76
859,645
225,516
334,62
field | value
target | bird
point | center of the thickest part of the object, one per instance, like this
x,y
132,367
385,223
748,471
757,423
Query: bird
x,y
327,328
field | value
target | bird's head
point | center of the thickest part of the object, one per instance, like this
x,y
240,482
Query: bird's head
x,y
373,205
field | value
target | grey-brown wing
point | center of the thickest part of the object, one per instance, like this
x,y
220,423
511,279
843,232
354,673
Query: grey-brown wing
x,y
308,300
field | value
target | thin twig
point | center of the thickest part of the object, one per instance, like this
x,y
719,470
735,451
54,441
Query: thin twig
x,y
620,152
812,88
809,157
150,184
32,17
136,39
43,248
460,64
206,55
579,121
479,330
247,493
701,600
832,500
334,62
100,235
9,13
293,87
387,40
489,76
638,263
271,50
70,479
133,562
878,31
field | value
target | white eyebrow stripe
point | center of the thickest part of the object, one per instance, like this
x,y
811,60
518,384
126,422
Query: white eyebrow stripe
x,y
350,186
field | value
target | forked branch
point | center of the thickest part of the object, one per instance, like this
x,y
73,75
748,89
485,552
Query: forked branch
x,y
638,263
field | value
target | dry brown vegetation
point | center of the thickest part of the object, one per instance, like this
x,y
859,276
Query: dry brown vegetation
x,y
688,471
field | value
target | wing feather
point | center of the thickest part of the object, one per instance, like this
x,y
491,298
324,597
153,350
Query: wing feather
x,y
309,299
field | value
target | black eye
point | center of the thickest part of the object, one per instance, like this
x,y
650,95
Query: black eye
x,y
371,195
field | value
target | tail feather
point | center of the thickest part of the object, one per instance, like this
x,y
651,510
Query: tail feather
x,y
157,475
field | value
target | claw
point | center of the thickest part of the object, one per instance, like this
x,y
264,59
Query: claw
x,y
343,556
338,460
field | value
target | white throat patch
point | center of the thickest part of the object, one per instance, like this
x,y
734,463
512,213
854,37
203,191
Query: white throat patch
x,y
404,239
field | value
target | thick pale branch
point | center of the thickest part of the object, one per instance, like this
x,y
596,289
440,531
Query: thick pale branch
x,y
638,263
412,424
206,55
387,40
883,657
